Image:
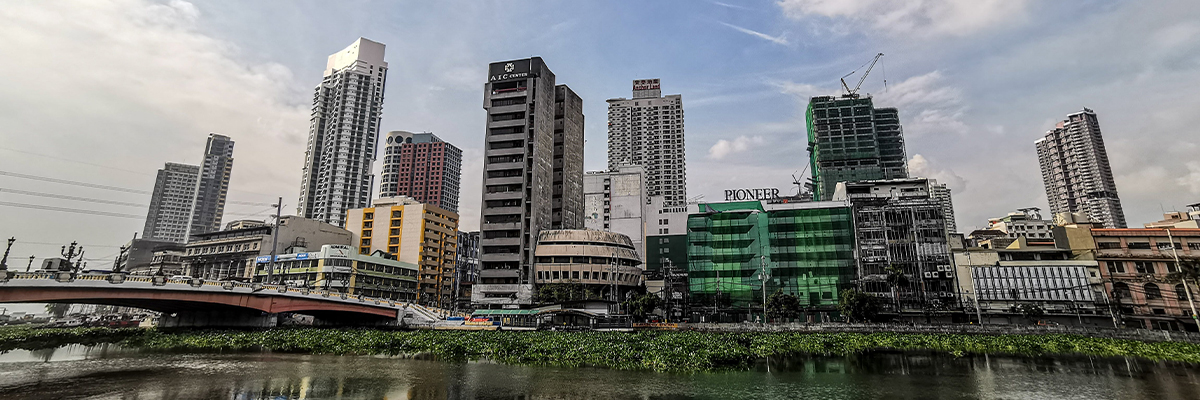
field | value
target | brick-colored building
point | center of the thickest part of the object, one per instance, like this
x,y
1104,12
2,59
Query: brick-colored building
x,y
1134,264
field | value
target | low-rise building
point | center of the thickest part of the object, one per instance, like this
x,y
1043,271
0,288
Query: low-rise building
x,y
466,267
137,256
339,268
1001,281
604,264
900,226
166,262
422,234
1135,265
231,252
806,248
1179,219
1027,223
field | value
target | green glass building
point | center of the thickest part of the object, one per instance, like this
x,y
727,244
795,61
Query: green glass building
x,y
807,249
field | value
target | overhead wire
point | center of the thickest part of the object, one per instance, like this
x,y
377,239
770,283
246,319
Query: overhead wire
x,y
70,210
76,198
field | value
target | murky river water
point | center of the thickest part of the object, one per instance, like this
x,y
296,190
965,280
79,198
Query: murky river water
x,y
108,372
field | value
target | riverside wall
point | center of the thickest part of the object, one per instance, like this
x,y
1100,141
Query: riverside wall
x,y
962,329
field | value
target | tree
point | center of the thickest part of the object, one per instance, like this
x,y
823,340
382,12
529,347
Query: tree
x,y
857,306
1030,311
782,305
643,305
560,292
58,310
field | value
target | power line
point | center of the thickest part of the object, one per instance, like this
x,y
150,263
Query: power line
x,y
76,183
63,244
70,160
64,197
70,210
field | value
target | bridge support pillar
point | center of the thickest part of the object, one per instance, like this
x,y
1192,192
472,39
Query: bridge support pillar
x,y
218,318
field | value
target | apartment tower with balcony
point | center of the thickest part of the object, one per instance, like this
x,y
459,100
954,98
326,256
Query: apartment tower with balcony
x,y
423,167
1076,172
647,130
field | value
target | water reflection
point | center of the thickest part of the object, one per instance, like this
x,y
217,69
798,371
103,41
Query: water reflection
x,y
109,372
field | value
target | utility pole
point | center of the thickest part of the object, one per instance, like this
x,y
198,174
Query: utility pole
x,y
974,289
274,242
762,276
30,266
4,261
1175,253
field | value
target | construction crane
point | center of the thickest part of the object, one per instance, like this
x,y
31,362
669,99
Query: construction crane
x,y
853,93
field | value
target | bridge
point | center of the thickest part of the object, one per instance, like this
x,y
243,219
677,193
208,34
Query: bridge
x,y
196,302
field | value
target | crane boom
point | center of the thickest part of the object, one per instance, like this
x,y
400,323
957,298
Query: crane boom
x,y
854,92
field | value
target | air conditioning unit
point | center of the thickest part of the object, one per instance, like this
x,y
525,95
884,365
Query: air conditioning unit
x,y
947,275
929,275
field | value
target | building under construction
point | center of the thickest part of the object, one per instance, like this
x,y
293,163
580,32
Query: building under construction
x,y
903,251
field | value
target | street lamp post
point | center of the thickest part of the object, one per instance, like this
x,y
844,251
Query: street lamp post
x,y
4,261
763,276
30,266
274,243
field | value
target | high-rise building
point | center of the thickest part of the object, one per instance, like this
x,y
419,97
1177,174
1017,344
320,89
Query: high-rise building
x,y
170,213
1076,172
647,130
518,185
850,140
567,209
616,201
213,185
941,193
422,234
423,167
342,134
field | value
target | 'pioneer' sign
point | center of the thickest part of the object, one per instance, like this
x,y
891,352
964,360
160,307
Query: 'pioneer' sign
x,y
751,194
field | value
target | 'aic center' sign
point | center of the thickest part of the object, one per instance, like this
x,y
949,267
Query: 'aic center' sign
x,y
751,194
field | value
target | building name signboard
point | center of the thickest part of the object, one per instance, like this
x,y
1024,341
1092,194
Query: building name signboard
x,y
645,84
751,194
504,71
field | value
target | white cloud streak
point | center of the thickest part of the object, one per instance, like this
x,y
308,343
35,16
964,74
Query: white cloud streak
x,y
915,17
781,40
724,148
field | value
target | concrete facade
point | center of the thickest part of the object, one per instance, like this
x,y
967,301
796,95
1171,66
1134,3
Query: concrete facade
x,y
343,132
648,130
338,268
423,167
519,177
466,267
421,234
603,262
1076,172
1048,277
567,211
617,201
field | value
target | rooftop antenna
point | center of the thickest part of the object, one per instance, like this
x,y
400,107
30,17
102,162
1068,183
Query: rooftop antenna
x,y
853,93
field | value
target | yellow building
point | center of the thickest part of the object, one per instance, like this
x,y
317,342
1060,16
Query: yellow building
x,y
422,234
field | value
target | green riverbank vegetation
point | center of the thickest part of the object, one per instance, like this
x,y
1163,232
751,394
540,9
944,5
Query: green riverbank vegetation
x,y
652,351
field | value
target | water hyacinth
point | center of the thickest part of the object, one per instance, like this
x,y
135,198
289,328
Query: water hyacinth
x,y
650,351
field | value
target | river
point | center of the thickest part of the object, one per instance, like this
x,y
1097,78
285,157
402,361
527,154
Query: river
x,y
111,372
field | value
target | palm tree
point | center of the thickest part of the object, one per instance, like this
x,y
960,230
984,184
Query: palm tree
x,y
896,277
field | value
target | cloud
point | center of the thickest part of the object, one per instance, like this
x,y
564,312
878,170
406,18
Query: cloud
x,y
774,39
1191,181
727,5
916,17
724,147
920,167
927,104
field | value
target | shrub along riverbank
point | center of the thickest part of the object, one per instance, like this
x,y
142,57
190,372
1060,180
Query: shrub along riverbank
x,y
655,351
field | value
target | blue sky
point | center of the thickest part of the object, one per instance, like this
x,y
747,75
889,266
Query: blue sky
x,y
107,91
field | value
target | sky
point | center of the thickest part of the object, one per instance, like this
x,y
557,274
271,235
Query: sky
x,y
104,92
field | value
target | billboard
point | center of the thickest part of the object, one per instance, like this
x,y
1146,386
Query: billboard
x,y
645,84
509,70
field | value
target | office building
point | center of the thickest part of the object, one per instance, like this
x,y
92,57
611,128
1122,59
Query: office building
x,y
519,176
850,140
138,255
616,201
342,134
170,213
213,185
338,268
1076,172
941,193
647,130
422,234
232,252
566,211
666,236
1000,280
423,167
901,228
807,249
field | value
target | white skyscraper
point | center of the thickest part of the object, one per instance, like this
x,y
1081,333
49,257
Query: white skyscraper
x,y
343,132
647,130
1076,172
171,205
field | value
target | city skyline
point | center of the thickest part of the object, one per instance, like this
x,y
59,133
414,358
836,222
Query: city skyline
x,y
947,120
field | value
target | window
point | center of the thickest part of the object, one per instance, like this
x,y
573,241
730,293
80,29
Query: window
x,y
366,242
368,215
1121,290
1109,245
1138,245
366,233
1115,267
1180,292
1144,267
1152,292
